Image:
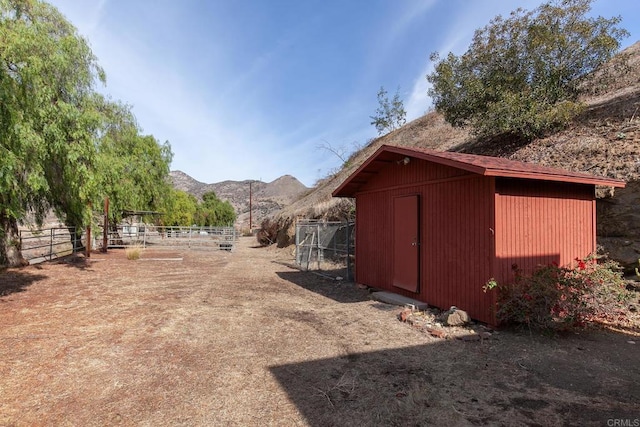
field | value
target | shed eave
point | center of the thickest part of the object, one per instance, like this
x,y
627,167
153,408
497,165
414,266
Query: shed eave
x,y
608,182
480,165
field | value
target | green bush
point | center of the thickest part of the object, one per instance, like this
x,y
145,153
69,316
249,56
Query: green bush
x,y
522,75
555,297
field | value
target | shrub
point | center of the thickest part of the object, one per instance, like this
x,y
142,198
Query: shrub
x,y
268,232
523,75
133,252
555,297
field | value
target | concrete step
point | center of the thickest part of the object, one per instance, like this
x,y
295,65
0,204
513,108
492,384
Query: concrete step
x,y
396,299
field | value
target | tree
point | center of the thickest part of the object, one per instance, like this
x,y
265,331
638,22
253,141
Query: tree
x,y
63,147
390,115
182,209
179,209
214,212
132,169
522,75
47,119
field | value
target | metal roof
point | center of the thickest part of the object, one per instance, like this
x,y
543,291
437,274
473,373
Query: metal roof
x,y
481,165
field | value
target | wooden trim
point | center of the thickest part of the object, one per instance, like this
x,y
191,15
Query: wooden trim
x,y
419,183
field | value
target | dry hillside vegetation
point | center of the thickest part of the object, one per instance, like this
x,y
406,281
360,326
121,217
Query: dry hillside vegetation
x,y
604,140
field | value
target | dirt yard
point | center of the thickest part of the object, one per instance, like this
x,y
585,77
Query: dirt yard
x,y
215,338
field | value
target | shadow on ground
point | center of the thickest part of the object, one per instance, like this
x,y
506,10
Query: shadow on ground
x,y
17,281
532,381
76,261
340,291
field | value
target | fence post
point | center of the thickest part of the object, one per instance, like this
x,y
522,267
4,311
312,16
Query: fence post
x,y
88,245
105,230
310,250
348,252
51,245
318,256
298,255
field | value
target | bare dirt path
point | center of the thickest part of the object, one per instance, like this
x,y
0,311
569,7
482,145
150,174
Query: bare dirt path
x,y
214,338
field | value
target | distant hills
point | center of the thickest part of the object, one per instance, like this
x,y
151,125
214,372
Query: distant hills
x,y
268,198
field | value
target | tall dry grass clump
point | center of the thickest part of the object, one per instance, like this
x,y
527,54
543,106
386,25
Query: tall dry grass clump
x,y
133,252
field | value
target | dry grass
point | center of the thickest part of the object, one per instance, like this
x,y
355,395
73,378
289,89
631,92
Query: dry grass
x,y
133,252
216,338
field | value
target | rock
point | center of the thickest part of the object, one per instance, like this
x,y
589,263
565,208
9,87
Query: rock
x,y
456,317
438,333
619,225
404,314
626,255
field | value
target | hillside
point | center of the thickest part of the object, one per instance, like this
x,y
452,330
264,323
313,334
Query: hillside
x,y
604,140
267,197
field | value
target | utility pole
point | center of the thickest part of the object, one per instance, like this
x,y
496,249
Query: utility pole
x,y
250,208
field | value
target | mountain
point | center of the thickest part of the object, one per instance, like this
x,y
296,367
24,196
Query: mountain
x,y
267,198
604,140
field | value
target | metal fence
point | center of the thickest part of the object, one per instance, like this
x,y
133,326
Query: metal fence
x,y
49,243
326,246
125,235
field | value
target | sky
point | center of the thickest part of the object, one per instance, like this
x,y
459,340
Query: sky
x,y
250,89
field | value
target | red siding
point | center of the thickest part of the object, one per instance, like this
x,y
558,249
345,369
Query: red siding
x,y
456,237
373,240
539,222
416,172
473,225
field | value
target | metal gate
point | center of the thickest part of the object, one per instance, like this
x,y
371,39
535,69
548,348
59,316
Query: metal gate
x,y
43,244
144,235
326,246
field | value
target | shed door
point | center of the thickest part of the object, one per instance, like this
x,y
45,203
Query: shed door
x,y
406,244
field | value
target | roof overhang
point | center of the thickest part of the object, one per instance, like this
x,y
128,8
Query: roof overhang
x,y
481,165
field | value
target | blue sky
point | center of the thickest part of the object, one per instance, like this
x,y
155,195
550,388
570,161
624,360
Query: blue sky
x,y
248,89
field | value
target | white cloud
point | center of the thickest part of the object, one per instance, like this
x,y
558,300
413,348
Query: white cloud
x,y
412,13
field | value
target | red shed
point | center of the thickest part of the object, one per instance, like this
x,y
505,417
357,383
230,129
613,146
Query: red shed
x,y
436,226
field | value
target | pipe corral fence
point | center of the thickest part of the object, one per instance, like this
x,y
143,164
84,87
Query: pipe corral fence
x,y
326,246
44,244
145,235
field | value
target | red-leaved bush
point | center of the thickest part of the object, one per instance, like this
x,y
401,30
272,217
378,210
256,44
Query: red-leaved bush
x,y
555,297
